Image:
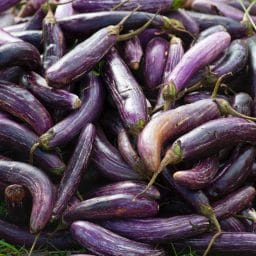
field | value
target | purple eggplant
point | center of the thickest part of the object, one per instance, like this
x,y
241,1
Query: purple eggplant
x,y
112,206
156,54
126,92
6,4
106,243
73,174
15,28
22,104
209,31
106,5
69,127
63,10
39,186
54,42
7,38
33,37
19,54
125,187
11,74
243,103
133,52
53,98
200,175
159,230
232,224
109,161
149,34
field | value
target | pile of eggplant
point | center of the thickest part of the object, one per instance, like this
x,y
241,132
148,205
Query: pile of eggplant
x,y
128,127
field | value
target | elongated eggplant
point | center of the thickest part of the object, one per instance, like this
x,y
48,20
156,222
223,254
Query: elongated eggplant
x,y
110,243
7,38
54,42
228,243
133,53
126,92
159,230
200,175
198,56
235,28
19,54
73,174
39,186
6,4
22,104
88,23
112,206
109,161
232,224
146,5
53,98
125,187
210,31
33,37
69,127
156,54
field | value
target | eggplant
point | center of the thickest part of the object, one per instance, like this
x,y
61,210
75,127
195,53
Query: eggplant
x,y
200,175
65,9
112,206
33,37
109,162
6,4
7,38
73,174
69,127
12,74
39,186
156,54
232,224
243,103
110,244
22,104
209,31
133,53
126,93
19,54
149,34
125,187
15,28
53,98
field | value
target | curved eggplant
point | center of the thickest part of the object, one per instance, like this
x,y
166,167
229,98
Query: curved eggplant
x,y
88,235
73,174
39,186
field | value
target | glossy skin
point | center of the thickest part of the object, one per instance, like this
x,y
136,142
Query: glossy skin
x,y
148,34
64,10
126,187
156,54
22,104
6,4
19,54
126,92
39,186
35,23
112,206
171,124
210,31
54,98
69,127
88,235
82,58
6,37
12,74
75,169
33,37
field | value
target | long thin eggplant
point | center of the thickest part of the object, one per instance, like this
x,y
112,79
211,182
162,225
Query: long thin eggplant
x,y
73,174
6,4
53,98
106,243
39,186
112,206
126,92
19,54
69,127
22,104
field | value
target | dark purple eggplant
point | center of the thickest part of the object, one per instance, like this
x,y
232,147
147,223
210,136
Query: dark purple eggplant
x,y
109,161
12,74
69,127
125,187
232,224
22,104
88,235
209,31
53,98
75,169
19,54
19,138
200,175
39,186
156,54
112,206
126,93
7,38
133,53
33,37
6,4
159,230
146,5
54,42
235,28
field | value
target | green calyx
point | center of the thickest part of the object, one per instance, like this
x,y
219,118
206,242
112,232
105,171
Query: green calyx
x,y
177,4
137,127
172,24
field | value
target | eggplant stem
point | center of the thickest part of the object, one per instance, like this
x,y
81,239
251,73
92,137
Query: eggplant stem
x,y
32,151
34,244
218,84
212,241
119,5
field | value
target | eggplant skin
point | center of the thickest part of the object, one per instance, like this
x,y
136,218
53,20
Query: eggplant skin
x,y
103,242
20,54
